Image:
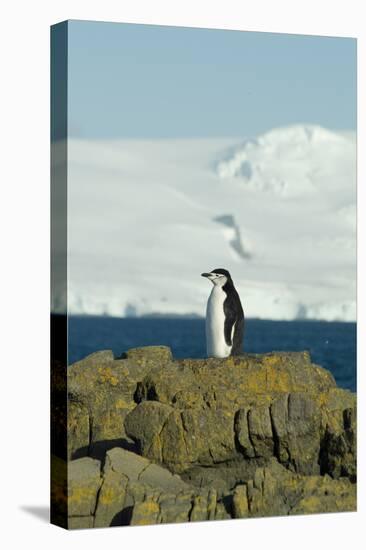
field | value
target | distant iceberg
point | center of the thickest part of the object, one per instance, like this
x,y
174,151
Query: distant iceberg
x,y
146,217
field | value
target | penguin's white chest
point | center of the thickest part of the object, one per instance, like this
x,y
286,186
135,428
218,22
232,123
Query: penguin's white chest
x,y
215,321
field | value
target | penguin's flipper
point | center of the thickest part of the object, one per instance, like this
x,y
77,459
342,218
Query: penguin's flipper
x,y
228,326
231,304
238,336
234,322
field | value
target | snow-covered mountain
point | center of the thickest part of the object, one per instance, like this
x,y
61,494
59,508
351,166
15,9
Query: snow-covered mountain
x,y
145,218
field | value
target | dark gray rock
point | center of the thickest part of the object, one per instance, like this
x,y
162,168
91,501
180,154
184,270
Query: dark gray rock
x,y
193,440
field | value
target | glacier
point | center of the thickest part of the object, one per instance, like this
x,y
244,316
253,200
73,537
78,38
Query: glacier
x,y
146,217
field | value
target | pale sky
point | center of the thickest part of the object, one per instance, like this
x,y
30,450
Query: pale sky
x,y
145,81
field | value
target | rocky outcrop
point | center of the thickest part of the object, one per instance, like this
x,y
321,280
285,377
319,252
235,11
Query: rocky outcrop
x,y
130,489
100,394
157,440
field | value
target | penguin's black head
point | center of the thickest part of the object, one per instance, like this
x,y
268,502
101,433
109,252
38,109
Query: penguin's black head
x,y
218,276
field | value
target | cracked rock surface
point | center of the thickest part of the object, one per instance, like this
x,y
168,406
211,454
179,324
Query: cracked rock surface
x,y
158,440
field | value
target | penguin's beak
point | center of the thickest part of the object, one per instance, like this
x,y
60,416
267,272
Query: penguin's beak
x,y
206,275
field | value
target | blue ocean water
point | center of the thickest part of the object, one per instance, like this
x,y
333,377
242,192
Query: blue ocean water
x,y
331,345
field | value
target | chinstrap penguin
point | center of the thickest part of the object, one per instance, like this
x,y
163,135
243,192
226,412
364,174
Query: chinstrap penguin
x,y
224,316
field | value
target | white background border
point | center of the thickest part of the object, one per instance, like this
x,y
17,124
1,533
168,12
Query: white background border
x,y
25,270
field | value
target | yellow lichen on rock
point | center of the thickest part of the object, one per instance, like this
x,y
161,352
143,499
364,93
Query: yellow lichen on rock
x,y
106,376
145,513
240,502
